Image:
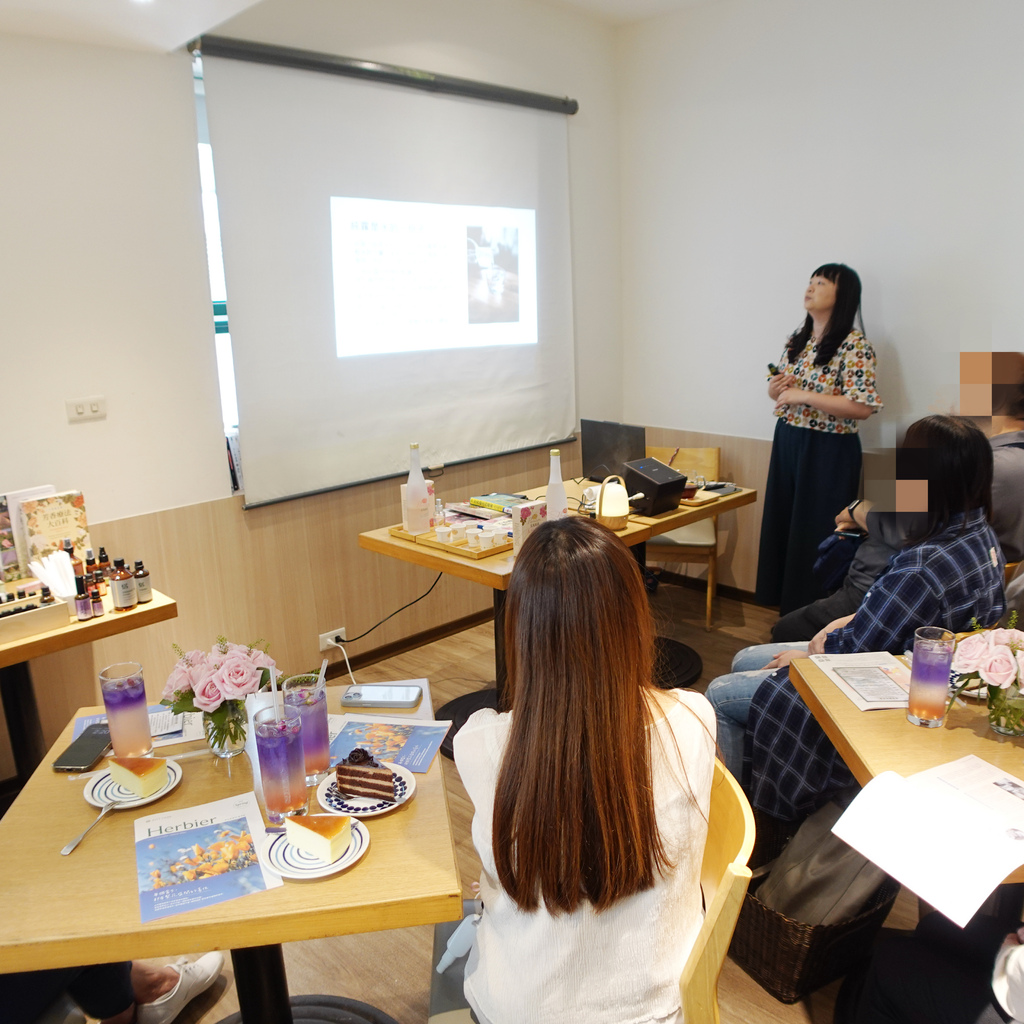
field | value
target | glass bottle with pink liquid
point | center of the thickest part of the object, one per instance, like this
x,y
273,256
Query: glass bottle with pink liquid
x,y
124,698
310,701
282,766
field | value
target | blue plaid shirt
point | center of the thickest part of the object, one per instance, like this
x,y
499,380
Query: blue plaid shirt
x,y
946,581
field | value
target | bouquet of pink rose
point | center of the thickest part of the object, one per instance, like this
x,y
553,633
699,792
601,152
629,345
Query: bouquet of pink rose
x,y
994,658
217,683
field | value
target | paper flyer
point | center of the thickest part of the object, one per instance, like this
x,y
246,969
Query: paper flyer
x,y
403,741
200,856
873,681
165,727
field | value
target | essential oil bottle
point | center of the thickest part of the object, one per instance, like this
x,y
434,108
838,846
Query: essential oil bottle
x,y
103,563
45,597
83,605
143,590
97,603
76,563
99,581
122,587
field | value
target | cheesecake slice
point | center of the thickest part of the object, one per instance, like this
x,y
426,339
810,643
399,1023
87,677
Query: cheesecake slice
x,y
142,775
324,836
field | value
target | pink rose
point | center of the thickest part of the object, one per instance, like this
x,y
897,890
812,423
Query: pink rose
x,y
207,695
259,658
999,668
970,652
188,669
237,675
1007,637
1020,662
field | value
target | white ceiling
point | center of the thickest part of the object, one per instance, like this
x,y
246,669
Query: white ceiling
x,y
167,24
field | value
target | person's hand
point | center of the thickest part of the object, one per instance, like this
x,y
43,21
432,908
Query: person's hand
x,y
844,521
817,644
779,383
783,658
791,396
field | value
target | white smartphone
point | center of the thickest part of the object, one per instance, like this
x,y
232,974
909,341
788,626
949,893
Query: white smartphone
x,y
381,695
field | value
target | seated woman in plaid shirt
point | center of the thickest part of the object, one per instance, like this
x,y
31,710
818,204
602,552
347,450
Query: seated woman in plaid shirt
x,y
950,572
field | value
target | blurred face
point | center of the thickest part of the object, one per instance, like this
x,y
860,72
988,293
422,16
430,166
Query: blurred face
x,y
820,297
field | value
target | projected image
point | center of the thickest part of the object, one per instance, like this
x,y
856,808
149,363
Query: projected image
x,y
411,277
492,263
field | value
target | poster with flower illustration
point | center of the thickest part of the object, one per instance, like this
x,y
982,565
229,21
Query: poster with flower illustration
x,y
47,521
200,856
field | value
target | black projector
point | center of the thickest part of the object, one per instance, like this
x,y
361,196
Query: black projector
x,y
661,485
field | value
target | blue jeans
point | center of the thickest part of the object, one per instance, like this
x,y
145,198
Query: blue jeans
x,y
730,696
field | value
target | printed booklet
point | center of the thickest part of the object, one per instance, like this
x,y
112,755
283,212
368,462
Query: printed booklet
x,y
410,743
200,856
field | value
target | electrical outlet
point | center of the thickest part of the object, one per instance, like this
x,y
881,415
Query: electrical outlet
x,y
80,409
327,639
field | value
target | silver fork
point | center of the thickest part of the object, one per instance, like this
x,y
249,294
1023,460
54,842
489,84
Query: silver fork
x,y
74,842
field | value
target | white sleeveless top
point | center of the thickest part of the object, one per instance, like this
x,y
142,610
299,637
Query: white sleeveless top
x,y
621,966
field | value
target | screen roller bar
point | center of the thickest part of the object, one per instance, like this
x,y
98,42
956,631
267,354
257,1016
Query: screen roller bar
x,y
412,78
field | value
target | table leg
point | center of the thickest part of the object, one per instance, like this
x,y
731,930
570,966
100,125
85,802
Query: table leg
x,y
22,713
500,668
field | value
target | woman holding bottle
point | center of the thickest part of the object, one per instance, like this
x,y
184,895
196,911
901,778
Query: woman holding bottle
x,y
591,798
822,389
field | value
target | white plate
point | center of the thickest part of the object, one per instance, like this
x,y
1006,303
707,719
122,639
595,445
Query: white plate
x,y
101,789
364,806
282,858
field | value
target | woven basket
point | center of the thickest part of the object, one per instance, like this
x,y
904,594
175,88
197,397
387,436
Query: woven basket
x,y
791,959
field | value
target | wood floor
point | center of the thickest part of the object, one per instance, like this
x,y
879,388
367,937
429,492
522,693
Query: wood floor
x,y
391,969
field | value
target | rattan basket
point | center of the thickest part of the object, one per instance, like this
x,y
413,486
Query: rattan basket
x,y
791,959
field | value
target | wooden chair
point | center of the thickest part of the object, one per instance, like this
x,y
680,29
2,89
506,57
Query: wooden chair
x,y
699,541
1010,571
724,878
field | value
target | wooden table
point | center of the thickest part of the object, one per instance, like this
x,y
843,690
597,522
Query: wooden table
x,y
872,742
494,571
19,699
84,908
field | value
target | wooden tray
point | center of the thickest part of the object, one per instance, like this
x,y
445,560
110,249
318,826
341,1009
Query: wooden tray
x,y
37,620
460,548
700,498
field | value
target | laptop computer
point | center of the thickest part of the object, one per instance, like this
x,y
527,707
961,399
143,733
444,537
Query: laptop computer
x,y
606,447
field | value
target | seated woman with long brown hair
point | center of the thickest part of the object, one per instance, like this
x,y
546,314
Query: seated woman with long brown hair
x,y
591,798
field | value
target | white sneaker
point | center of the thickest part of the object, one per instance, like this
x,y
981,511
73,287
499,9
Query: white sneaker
x,y
195,978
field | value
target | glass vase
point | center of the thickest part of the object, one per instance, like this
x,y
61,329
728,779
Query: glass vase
x,y
225,728
1006,710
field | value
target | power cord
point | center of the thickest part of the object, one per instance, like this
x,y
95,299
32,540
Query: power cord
x,y
337,640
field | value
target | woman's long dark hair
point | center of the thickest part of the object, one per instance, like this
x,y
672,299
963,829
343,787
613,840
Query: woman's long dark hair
x,y
840,323
574,817
955,457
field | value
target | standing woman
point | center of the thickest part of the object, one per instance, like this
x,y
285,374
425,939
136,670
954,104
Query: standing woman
x,y
590,799
824,388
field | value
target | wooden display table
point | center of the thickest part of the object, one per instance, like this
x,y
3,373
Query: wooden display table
x,y
84,908
19,699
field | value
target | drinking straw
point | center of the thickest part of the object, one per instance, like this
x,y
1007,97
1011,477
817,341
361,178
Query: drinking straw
x,y
277,696
323,676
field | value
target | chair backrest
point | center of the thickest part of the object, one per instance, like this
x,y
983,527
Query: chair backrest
x,y
692,461
724,880
1008,573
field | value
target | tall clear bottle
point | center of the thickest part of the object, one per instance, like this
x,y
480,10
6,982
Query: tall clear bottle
x,y
417,503
558,504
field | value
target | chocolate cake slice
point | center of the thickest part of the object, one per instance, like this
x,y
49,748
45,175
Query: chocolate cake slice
x,y
361,775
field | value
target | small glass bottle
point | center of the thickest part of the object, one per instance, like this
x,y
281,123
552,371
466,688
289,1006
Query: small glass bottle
x,y
45,597
143,590
90,563
122,587
558,504
83,606
417,503
97,603
99,581
103,563
76,563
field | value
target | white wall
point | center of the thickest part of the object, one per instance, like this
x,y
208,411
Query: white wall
x,y
523,45
762,139
103,279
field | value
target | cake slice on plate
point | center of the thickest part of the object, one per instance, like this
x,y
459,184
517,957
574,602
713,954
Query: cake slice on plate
x,y
360,774
142,775
324,836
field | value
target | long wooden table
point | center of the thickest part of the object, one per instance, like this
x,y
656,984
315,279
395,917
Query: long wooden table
x,y
872,742
84,908
19,699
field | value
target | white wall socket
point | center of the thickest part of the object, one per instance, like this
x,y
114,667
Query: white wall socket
x,y
327,639
93,407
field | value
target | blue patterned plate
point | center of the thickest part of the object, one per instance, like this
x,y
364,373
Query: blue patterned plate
x,y
279,856
101,789
364,806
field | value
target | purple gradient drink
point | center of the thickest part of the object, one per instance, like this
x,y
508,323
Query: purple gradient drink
x,y
124,697
279,745
929,676
301,693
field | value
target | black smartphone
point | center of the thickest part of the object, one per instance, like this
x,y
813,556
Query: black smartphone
x,y
84,752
